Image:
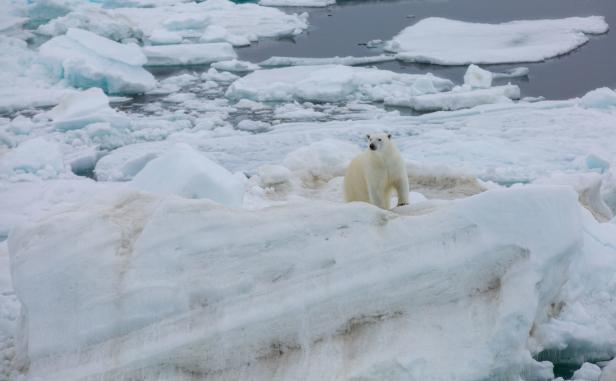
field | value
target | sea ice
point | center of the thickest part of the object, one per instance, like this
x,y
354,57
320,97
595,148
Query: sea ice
x,y
477,77
321,161
81,109
188,54
331,83
235,66
171,290
187,173
450,42
458,98
217,20
297,3
34,158
348,60
86,60
599,98
93,18
588,372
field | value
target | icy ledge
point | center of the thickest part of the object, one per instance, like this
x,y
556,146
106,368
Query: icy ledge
x,y
179,289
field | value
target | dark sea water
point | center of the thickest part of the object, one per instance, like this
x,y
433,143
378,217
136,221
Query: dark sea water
x,y
342,30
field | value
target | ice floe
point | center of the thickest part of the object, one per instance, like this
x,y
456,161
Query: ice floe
x,y
85,59
457,98
451,42
297,3
216,20
188,54
469,285
331,83
348,60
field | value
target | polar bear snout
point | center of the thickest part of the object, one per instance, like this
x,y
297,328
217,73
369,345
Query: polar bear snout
x,y
373,146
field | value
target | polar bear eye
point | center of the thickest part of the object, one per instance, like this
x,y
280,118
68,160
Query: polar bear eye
x,y
380,139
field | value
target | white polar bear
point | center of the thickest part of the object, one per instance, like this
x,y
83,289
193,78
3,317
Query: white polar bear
x,y
374,174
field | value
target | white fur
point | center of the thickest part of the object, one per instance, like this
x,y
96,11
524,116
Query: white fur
x,y
374,174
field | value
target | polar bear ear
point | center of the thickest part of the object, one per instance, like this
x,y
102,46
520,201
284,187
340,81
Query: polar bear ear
x,y
389,136
368,136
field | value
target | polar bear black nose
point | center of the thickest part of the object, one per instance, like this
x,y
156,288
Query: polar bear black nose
x,y
372,146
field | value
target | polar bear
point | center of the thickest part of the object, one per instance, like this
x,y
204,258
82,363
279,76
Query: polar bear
x,y
375,173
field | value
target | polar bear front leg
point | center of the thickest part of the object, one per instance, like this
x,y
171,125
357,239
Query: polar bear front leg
x,y
402,188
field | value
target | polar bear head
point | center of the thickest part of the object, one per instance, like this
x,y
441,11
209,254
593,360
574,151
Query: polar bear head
x,y
379,142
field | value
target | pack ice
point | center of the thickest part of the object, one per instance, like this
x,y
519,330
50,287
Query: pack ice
x,y
332,83
181,289
85,59
215,21
451,42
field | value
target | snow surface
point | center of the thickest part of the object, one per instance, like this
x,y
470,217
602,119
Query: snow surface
x,y
450,42
188,54
466,287
331,83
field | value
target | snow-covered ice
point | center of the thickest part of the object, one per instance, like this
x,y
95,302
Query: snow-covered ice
x,y
450,42
348,60
188,54
235,66
478,77
599,98
457,98
297,3
33,158
293,296
188,173
331,83
85,59
216,21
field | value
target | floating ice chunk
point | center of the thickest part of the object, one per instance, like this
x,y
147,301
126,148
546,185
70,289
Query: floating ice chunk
x,y
217,33
235,66
477,77
588,372
513,73
38,157
124,163
450,42
253,126
188,173
95,19
458,98
188,54
375,43
294,111
129,54
217,20
321,161
297,3
599,98
250,105
78,110
165,37
87,60
216,76
327,83
348,60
